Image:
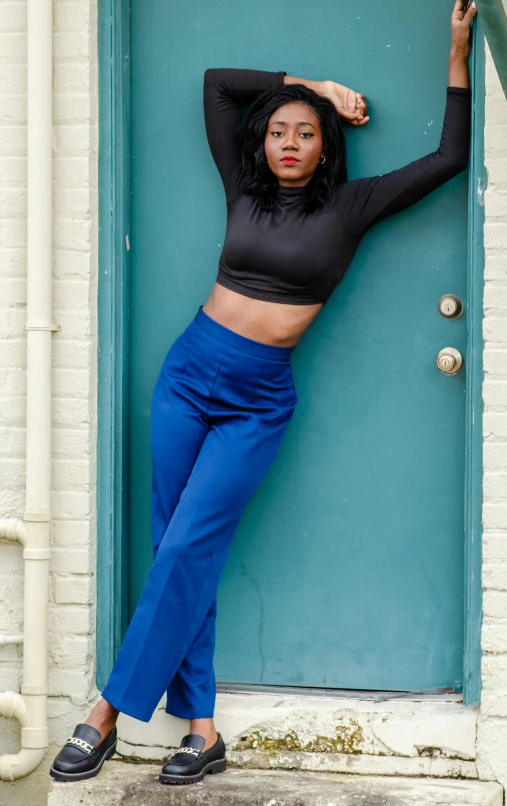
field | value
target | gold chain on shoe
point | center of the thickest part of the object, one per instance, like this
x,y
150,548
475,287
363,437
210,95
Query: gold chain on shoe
x,y
193,750
88,748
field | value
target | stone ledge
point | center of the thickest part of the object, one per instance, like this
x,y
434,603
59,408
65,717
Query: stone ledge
x,y
120,784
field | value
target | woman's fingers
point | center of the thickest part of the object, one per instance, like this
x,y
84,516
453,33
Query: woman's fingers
x,y
470,14
360,122
463,11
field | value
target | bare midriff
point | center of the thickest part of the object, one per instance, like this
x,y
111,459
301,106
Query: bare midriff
x,y
275,323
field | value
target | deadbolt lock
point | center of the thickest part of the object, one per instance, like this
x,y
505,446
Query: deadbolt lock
x,y
450,306
449,361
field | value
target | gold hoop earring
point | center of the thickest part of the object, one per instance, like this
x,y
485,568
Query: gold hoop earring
x,y
264,161
322,159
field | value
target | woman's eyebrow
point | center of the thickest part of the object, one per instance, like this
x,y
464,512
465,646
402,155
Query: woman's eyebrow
x,y
299,123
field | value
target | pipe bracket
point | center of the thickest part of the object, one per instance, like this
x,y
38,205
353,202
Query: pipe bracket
x,y
33,690
35,738
39,517
36,554
42,326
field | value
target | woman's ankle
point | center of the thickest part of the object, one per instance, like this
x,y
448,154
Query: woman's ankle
x,y
103,717
206,729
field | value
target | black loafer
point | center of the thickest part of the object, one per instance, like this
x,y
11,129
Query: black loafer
x,y
80,757
190,764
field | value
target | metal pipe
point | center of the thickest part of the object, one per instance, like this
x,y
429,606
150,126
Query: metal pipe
x,y
30,706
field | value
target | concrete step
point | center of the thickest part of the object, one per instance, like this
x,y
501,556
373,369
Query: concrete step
x,y
123,784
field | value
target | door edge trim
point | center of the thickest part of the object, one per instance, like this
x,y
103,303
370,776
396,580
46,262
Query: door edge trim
x,y
113,308
474,377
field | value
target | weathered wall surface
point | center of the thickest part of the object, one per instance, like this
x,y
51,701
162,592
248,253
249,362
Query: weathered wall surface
x,y
492,733
72,617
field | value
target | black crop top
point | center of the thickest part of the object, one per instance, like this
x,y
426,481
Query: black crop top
x,y
286,255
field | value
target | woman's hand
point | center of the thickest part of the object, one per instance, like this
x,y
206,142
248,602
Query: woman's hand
x,y
462,15
351,105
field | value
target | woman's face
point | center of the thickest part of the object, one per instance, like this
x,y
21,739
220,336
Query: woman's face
x,y
293,144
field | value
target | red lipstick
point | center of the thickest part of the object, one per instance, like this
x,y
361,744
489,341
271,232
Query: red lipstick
x,y
289,160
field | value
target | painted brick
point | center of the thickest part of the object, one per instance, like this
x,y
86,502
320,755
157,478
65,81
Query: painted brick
x,y
494,635
71,620
494,456
75,534
12,17
494,515
69,295
72,234
72,108
13,140
12,472
71,383
494,604
70,561
496,266
71,475
495,487
12,291
74,589
70,443
12,264
71,651
71,171
13,110
70,46
12,412
12,48
495,293
71,16
74,324
494,575
70,412
496,203
73,683
72,354
13,236
74,139
72,202
69,505
12,79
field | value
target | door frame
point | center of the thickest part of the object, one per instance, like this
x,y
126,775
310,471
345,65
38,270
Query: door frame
x,y
114,351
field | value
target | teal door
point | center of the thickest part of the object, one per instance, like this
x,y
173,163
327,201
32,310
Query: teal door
x,y
347,569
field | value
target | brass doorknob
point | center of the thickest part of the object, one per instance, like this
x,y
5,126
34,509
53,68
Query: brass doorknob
x,y
449,361
450,306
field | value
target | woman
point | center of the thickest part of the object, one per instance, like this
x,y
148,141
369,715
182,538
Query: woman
x,y
225,393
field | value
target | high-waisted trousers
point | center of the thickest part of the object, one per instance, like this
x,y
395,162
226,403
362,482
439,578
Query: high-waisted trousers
x,y
220,408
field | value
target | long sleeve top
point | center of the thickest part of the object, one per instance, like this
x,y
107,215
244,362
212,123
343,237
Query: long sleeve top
x,y
287,255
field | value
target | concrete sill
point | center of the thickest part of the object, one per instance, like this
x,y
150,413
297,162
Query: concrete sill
x,y
121,784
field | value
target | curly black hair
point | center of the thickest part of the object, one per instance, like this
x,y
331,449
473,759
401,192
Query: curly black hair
x,y
256,177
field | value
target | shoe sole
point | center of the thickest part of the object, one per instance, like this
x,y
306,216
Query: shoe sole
x,y
58,775
212,767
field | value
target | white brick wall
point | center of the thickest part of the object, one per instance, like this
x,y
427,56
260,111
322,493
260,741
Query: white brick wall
x,y
72,591
72,594
492,731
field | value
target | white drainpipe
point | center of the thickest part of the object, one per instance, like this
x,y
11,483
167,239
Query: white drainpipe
x,y
30,706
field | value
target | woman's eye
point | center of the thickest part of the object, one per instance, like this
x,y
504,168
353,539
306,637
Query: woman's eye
x,y
305,135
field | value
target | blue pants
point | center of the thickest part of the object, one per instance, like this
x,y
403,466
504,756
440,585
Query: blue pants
x,y
220,408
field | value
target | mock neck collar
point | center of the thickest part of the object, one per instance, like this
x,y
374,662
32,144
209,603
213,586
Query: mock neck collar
x,y
290,191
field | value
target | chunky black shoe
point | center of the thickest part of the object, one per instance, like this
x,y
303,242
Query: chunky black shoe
x,y
80,757
190,764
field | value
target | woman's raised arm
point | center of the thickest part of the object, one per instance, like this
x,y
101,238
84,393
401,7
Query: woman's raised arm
x,y
363,202
224,89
